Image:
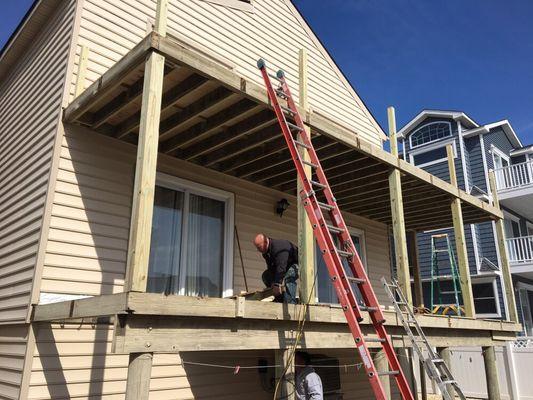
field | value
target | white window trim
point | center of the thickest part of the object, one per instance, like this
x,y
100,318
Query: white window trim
x,y
360,233
501,154
236,4
175,183
511,217
492,279
432,147
426,125
529,225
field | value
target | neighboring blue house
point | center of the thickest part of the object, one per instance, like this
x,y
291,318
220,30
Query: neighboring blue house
x,y
478,149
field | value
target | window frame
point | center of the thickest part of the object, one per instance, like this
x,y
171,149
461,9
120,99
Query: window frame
x,y
527,288
431,141
190,187
491,279
360,233
496,151
241,5
434,146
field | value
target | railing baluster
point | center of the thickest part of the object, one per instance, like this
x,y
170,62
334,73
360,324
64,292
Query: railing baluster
x,y
520,249
514,176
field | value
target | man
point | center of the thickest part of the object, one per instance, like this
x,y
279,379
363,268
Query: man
x,y
281,257
308,383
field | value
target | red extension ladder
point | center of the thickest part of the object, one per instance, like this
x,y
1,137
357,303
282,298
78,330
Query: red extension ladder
x,y
325,232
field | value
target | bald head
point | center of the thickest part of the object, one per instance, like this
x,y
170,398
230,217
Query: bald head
x,y
261,242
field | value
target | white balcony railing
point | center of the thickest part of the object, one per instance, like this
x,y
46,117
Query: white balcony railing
x,y
514,176
520,249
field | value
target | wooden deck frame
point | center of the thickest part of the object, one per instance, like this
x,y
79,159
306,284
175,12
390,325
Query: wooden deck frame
x,y
235,324
212,75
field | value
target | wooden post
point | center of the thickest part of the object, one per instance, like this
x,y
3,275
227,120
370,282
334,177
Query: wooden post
x,y
145,169
286,389
423,384
491,373
398,222
460,242
82,71
161,12
405,357
505,267
446,355
139,371
382,364
306,242
413,257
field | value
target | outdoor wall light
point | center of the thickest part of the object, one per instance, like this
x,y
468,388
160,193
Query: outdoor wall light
x,y
281,207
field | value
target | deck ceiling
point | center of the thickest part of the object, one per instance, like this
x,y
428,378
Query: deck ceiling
x,y
214,118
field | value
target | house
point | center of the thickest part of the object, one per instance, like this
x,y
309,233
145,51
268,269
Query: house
x,y
140,156
479,149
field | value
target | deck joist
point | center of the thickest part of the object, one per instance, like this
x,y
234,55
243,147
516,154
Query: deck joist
x,y
214,117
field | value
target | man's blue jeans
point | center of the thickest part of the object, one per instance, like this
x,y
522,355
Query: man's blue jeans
x,y
291,276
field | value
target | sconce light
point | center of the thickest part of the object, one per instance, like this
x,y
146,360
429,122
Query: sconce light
x,y
281,207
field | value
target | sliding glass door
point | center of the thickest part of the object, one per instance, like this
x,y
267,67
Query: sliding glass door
x,y
190,248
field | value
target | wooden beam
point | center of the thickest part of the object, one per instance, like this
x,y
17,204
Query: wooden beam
x,y
161,12
398,222
460,242
285,372
82,71
504,257
145,173
139,372
381,363
210,125
306,240
412,249
491,372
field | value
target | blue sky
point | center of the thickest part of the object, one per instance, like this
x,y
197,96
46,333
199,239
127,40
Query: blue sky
x,y
469,55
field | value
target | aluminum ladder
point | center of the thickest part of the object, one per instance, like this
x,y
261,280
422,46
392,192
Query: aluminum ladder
x,y
435,366
326,229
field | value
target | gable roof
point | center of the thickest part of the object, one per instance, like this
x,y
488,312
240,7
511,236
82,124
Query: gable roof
x,y
506,127
424,114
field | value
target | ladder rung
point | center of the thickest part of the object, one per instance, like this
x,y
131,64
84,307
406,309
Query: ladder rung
x,y
310,164
281,93
448,292
437,361
355,280
375,340
274,77
287,110
382,373
401,303
451,382
334,229
325,206
302,144
440,251
318,184
369,309
291,125
344,253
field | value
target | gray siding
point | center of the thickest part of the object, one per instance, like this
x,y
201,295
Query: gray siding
x,y
499,139
475,162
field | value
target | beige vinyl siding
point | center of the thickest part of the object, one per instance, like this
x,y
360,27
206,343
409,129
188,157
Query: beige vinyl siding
x,y
87,244
30,99
13,341
273,31
73,361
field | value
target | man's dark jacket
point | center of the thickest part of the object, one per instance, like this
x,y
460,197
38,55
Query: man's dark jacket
x,y
281,254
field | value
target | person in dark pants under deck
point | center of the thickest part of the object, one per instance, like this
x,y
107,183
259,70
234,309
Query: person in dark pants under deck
x,y
281,257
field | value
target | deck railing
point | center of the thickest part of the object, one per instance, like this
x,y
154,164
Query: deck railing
x,y
514,176
520,249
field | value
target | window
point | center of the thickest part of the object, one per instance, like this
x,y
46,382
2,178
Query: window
x,y
192,242
432,154
325,290
430,133
485,295
526,307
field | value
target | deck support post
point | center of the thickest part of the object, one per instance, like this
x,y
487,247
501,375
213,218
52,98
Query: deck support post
x,y
382,365
504,258
398,221
491,373
446,354
139,371
405,357
146,165
306,243
82,71
460,242
423,383
412,248
287,386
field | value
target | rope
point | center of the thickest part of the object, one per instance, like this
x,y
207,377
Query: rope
x,y
233,367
